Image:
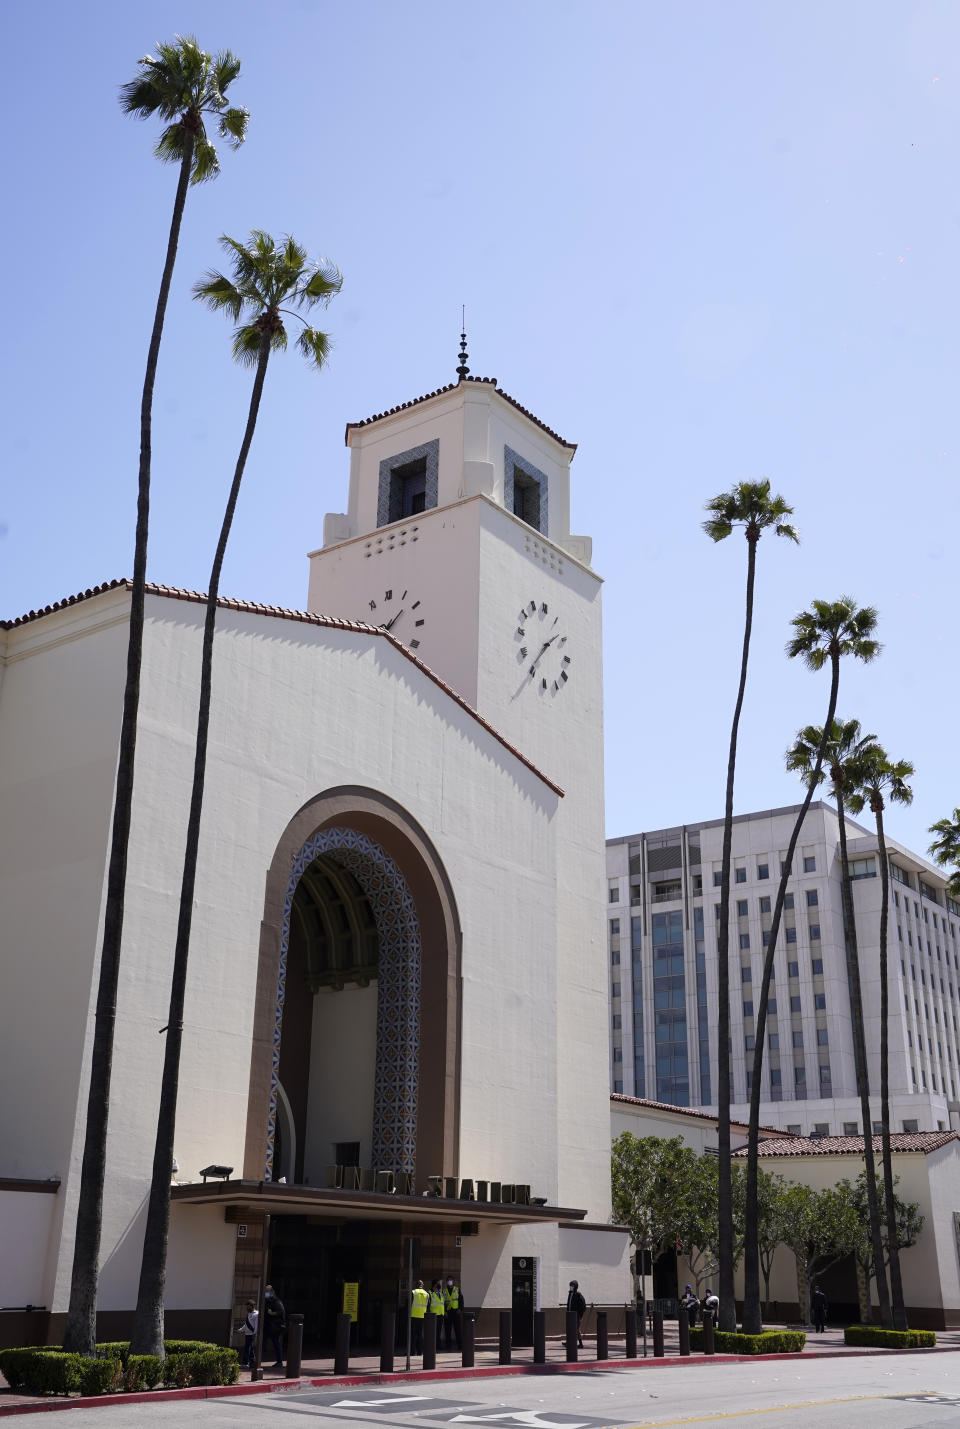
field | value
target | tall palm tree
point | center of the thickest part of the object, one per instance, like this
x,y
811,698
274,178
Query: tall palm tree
x,y
269,280
846,750
878,775
824,635
946,849
181,85
750,506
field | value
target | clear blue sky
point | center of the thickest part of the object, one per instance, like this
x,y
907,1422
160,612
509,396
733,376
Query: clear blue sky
x,y
707,242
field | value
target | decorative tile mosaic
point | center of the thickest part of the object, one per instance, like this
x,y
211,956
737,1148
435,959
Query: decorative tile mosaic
x,y
512,459
398,993
389,492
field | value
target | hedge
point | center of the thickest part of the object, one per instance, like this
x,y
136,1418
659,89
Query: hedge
x,y
889,1339
770,1342
46,1370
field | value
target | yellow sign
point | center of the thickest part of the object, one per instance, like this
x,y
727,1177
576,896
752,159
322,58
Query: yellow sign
x,y
351,1294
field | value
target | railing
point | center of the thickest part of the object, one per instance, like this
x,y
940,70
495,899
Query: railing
x,y
667,897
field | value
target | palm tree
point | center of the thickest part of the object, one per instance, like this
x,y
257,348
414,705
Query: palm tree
x,y
748,505
877,775
946,849
270,280
823,635
180,84
846,751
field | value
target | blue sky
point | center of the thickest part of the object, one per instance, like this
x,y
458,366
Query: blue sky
x,y
708,243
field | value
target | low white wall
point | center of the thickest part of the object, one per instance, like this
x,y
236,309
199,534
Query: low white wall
x,y
26,1218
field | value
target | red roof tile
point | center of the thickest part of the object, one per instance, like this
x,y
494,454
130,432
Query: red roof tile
x,y
486,381
683,1111
924,1141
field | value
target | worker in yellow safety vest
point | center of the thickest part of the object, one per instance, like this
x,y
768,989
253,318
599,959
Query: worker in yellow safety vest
x,y
452,1302
418,1308
437,1308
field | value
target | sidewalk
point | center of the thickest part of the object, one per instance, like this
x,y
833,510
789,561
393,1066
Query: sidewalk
x,y
365,1369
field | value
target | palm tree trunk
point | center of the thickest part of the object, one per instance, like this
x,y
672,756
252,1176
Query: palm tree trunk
x,y
860,1063
80,1331
752,1318
896,1279
728,1304
147,1338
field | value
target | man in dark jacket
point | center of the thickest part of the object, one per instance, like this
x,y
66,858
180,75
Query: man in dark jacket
x,y
819,1310
274,1323
577,1304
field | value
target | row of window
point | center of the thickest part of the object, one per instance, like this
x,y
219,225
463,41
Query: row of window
x,y
819,1003
765,904
763,870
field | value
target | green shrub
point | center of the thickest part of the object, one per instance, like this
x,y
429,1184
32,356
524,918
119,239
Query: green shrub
x,y
142,1372
770,1342
113,1350
100,1376
873,1336
41,1370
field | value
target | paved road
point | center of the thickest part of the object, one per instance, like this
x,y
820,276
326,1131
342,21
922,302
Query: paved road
x,y
875,1392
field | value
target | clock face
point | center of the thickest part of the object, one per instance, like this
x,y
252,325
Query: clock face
x,y
541,648
401,613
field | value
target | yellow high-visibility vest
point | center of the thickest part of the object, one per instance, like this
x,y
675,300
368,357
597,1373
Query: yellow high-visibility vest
x,y
451,1297
419,1307
436,1303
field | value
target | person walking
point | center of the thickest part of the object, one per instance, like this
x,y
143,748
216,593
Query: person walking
x,y
819,1301
274,1323
452,1300
250,1324
578,1306
437,1309
418,1309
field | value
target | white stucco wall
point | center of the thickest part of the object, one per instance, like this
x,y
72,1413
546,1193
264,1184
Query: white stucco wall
x,y
341,1088
26,1221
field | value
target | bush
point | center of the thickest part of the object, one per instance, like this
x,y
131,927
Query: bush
x,y
41,1371
113,1350
770,1342
142,1372
210,1364
100,1376
45,1370
889,1339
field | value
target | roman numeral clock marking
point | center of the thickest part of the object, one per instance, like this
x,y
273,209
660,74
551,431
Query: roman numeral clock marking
x,y
540,648
402,616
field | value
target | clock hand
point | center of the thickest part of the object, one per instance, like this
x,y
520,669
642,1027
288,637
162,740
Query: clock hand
x,y
543,649
391,623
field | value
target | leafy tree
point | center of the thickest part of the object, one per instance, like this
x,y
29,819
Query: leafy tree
x,y
269,281
820,1227
181,85
750,506
701,1246
657,1192
823,636
846,750
946,849
877,775
772,1224
907,1225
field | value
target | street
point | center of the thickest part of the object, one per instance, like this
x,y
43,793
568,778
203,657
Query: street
x,y
866,1392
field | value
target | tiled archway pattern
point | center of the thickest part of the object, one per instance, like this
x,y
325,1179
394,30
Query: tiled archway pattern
x,y
398,992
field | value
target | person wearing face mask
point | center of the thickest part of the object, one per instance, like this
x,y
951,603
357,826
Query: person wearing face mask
x,y
452,1302
578,1305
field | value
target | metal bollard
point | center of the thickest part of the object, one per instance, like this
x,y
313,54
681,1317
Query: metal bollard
x,y
683,1325
430,1341
506,1335
539,1336
658,1334
573,1335
388,1335
708,1332
603,1352
630,1332
467,1330
341,1346
294,1346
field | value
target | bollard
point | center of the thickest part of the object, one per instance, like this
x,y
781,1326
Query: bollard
x,y
683,1325
658,1334
708,1332
602,1350
467,1328
341,1345
572,1336
430,1341
630,1331
388,1335
539,1336
294,1346
506,1335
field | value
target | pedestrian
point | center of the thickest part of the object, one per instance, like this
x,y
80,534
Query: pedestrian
x,y
819,1310
274,1323
250,1336
578,1306
711,1302
452,1301
691,1304
437,1309
418,1309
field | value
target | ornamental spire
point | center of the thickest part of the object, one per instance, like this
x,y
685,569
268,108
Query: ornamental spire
x,y
463,370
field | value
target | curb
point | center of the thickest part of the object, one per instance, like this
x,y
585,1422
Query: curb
x,y
420,1376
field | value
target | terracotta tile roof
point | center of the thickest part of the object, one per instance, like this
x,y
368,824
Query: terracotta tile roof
x,y
305,617
924,1141
685,1111
485,381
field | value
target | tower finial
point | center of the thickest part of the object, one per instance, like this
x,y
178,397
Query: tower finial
x,y
463,370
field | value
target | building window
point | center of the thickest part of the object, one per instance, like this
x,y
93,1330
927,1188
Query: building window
x,y
618,1087
748,1009
615,958
617,1021
741,907
809,864
812,898
815,934
816,964
878,1128
822,1037
717,881
525,490
615,925
765,905
793,1129
618,1054
408,483
799,1077
772,1006
765,936
825,1074
821,1128
613,893
793,969
788,902
820,1001
749,1041
784,868
615,991
911,1126
773,1041
791,935
763,870
798,1038
744,940
746,975
863,868
740,874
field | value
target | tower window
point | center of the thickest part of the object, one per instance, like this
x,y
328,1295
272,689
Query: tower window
x,y
525,490
526,499
408,484
412,483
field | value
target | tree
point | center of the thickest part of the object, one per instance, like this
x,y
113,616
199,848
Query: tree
x,y
823,635
771,1224
820,1227
878,774
701,1244
269,280
748,505
846,750
656,1192
181,84
946,849
906,1227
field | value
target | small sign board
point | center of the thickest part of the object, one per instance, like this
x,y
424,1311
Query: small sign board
x,y
241,1232
351,1296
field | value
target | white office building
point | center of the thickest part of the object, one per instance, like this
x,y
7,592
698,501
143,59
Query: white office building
x,y
663,906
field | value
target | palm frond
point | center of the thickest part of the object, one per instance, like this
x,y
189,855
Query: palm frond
x,y
219,293
246,345
233,125
206,165
314,346
171,144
